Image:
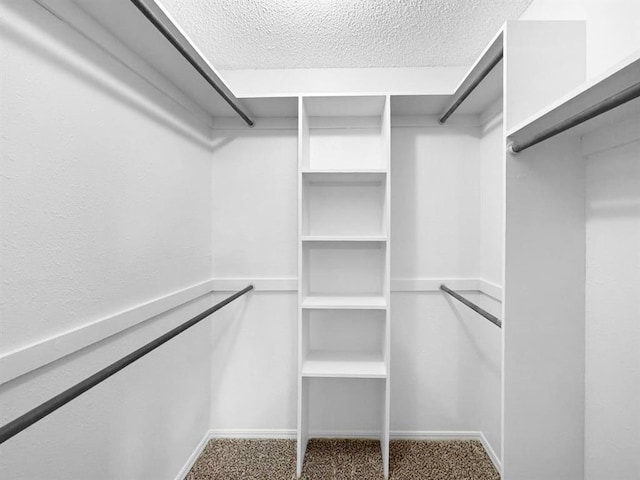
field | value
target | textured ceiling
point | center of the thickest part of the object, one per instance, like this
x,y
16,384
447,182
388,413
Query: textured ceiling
x,y
239,34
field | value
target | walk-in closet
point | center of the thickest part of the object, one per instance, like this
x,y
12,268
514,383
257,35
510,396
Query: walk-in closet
x,y
319,240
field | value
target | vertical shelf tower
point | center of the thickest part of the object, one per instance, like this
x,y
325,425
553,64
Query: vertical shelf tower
x,y
343,264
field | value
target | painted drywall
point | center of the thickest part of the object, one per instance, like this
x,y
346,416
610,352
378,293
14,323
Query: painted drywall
x,y
613,27
612,373
104,205
492,200
254,178
304,81
435,203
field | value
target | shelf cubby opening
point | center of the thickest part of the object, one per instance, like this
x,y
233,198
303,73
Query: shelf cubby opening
x,y
344,133
345,407
344,204
342,334
343,269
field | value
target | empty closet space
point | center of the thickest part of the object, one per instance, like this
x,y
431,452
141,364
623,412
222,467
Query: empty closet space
x,y
317,240
446,214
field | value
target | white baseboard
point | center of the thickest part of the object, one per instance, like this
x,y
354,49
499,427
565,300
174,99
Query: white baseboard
x,y
434,435
253,434
491,452
44,351
194,456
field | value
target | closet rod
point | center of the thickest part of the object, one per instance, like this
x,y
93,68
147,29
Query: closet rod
x,y
175,41
599,108
38,413
493,319
462,96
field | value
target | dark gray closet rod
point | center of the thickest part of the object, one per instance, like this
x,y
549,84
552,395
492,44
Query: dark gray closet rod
x,y
139,4
38,413
495,60
493,319
599,108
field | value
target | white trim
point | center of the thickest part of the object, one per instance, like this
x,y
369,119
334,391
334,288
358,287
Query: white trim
x,y
42,352
289,284
491,452
194,456
432,284
344,434
26,358
435,435
490,289
284,433
290,434
284,284
394,434
433,121
223,124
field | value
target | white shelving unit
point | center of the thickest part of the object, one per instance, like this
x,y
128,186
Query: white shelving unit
x,y
343,261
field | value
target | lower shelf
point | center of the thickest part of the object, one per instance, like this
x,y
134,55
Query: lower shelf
x,y
367,302
344,365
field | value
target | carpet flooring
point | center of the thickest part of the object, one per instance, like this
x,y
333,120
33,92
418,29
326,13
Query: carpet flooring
x,y
338,459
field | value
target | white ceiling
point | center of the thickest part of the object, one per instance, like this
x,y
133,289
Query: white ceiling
x,y
248,34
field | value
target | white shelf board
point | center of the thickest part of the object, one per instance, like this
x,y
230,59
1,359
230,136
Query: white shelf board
x,y
490,88
124,21
344,365
624,75
346,171
281,107
481,98
344,106
366,302
349,176
344,238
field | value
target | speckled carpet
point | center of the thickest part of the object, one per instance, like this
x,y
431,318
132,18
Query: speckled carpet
x,y
331,459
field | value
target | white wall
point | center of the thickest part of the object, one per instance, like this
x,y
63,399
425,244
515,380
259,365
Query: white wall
x,y
304,81
435,205
613,27
255,198
105,204
612,384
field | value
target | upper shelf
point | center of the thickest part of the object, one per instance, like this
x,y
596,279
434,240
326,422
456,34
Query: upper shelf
x,y
623,77
344,106
122,30
479,89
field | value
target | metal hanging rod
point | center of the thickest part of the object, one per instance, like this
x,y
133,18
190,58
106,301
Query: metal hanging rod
x,y
599,108
38,413
492,318
479,77
157,22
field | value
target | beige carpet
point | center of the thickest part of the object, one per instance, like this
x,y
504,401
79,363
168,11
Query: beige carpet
x,y
329,459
